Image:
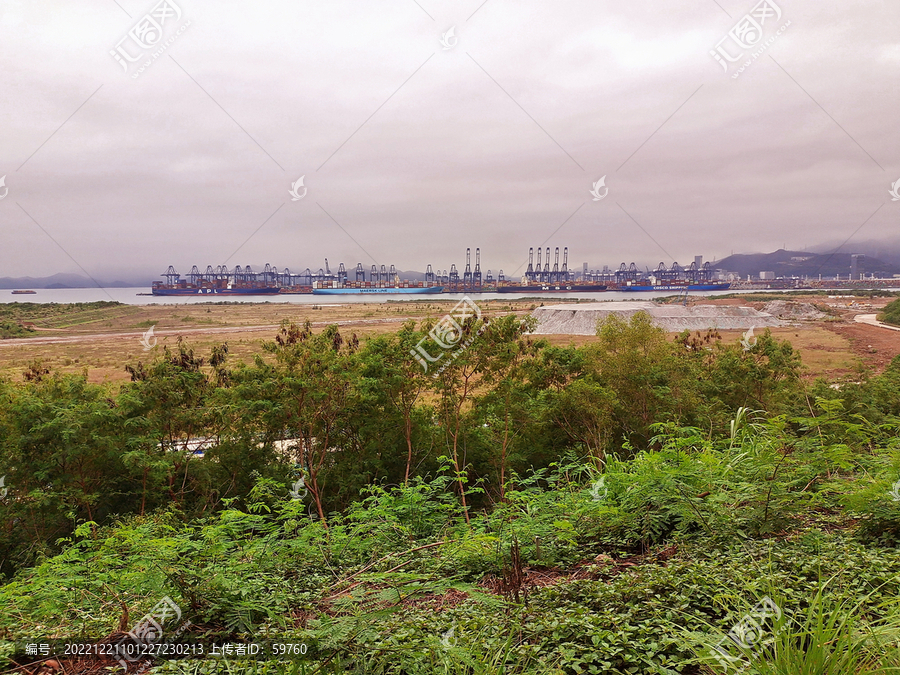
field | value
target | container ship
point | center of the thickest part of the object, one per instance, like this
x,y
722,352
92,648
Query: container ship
x,y
553,288
649,285
213,282
383,290
697,277
383,282
186,289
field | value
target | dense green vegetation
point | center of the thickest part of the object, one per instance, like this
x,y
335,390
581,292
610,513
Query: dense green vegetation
x,y
532,509
40,310
11,329
52,314
892,313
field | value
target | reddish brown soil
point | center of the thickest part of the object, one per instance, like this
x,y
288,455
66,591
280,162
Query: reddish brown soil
x,y
875,346
368,600
601,567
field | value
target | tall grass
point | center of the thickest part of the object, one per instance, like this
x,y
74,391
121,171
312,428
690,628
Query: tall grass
x,y
832,634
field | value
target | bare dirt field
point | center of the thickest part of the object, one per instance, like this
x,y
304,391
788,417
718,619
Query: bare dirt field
x,y
102,341
873,346
834,346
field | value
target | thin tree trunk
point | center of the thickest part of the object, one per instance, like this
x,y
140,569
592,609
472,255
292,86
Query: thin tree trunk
x,y
459,480
408,420
144,488
503,449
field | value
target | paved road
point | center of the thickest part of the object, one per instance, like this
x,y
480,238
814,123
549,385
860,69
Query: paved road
x,y
94,337
872,320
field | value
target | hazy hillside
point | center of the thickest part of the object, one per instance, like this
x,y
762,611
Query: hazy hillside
x,y
888,251
803,263
67,281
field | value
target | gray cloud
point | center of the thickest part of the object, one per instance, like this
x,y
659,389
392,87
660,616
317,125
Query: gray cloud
x,y
152,172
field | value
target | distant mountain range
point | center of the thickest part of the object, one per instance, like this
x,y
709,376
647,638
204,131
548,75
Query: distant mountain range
x,y
886,250
66,281
803,264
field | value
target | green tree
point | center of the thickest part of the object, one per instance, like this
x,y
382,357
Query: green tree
x,y
60,440
313,378
585,412
636,362
168,416
456,383
504,353
764,377
399,381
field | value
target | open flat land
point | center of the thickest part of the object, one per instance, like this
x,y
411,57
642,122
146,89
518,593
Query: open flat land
x,y
103,340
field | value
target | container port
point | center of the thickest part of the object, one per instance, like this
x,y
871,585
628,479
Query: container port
x,y
543,275
546,273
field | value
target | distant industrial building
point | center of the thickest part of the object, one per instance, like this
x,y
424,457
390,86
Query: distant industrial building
x,y
854,266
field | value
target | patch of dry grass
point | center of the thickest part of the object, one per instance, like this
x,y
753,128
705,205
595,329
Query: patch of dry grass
x,y
824,353
110,338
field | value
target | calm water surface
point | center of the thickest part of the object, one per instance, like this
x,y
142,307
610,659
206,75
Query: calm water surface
x,y
132,296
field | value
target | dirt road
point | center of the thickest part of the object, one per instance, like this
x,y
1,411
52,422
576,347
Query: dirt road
x,y
187,331
872,320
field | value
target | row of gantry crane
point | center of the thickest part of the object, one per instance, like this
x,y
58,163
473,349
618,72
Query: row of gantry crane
x,y
471,278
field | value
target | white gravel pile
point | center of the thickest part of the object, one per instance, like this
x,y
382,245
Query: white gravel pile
x,y
582,319
793,311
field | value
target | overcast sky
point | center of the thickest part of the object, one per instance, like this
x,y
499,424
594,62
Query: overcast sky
x,y
412,151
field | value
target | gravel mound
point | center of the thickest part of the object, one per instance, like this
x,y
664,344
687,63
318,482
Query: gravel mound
x,y
581,319
793,311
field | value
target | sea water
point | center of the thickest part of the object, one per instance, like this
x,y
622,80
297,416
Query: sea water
x,y
141,296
